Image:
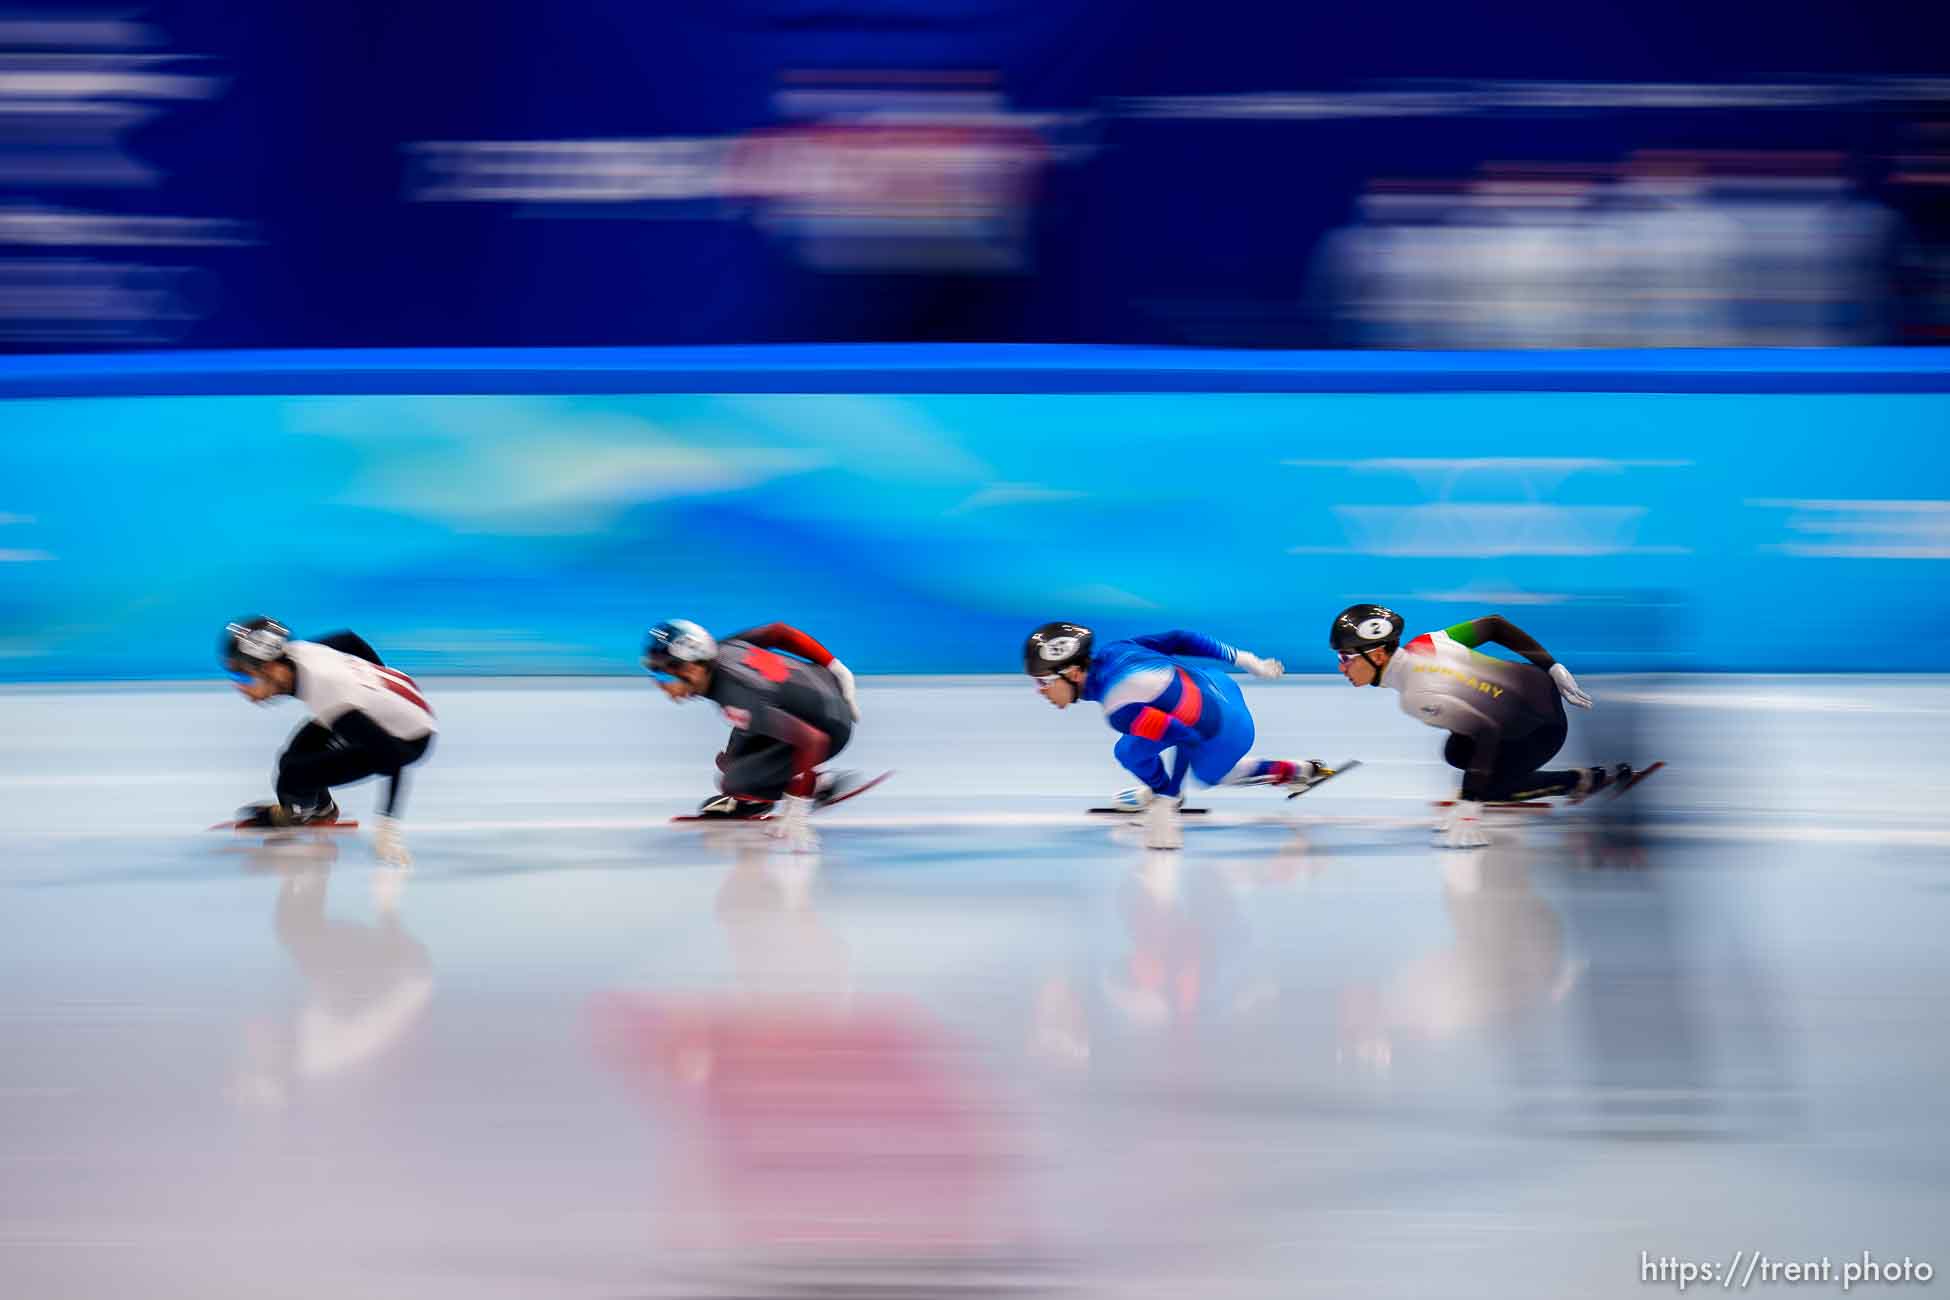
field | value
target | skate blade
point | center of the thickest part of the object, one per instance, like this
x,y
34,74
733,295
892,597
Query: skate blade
x,y
1613,791
1340,770
286,830
1519,805
854,793
1133,812
1638,777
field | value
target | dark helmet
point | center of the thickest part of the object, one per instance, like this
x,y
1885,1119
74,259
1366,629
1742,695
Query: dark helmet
x,y
677,641
1365,627
253,641
1055,646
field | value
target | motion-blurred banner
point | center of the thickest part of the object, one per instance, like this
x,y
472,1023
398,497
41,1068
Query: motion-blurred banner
x,y
1641,511
227,173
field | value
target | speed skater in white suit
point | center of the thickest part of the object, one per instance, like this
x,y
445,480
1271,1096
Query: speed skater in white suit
x,y
1505,720
367,720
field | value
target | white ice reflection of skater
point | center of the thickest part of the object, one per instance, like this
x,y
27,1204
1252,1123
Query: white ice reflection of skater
x,y
1175,952
1507,964
367,984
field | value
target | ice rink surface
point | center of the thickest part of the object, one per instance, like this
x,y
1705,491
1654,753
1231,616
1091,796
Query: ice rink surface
x,y
978,1043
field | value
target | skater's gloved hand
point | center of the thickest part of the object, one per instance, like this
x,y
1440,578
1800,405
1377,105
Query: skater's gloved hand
x,y
1162,828
793,824
1258,667
844,676
388,844
1462,826
1568,687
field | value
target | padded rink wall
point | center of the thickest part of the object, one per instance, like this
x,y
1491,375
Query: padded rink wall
x,y
530,512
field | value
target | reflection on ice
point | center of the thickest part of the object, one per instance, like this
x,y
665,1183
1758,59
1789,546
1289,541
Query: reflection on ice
x,y
981,1042
813,1128
1505,963
366,983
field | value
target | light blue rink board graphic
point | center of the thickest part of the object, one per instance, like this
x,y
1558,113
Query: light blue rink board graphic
x,y
1801,525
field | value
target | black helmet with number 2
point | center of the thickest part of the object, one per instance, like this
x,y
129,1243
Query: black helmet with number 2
x,y
1365,627
1360,630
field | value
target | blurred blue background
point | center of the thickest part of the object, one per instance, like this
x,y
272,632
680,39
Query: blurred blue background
x,y
926,531
352,192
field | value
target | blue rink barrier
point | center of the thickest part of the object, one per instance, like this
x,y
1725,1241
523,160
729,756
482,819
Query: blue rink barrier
x,y
921,507
967,368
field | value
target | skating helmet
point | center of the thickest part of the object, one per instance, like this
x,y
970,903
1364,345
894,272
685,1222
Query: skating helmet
x,y
1365,627
1055,646
252,642
677,641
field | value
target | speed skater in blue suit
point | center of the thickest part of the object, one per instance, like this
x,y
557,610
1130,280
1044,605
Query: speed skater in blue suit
x,y
1161,706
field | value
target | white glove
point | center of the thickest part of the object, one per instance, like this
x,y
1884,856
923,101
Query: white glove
x,y
1567,686
793,824
844,676
1162,827
1462,828
1258,667
388,844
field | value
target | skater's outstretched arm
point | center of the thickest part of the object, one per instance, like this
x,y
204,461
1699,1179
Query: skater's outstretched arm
x,y
1500,630
1196,645
784,636
350,643
1193,644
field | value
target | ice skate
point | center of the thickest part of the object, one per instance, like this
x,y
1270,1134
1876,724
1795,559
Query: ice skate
x,y
1592,780
730,808
1132,801
838,787
1631,777
279,816
1300,774
1313,772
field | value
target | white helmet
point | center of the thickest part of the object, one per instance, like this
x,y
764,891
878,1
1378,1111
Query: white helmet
x,y
677,641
